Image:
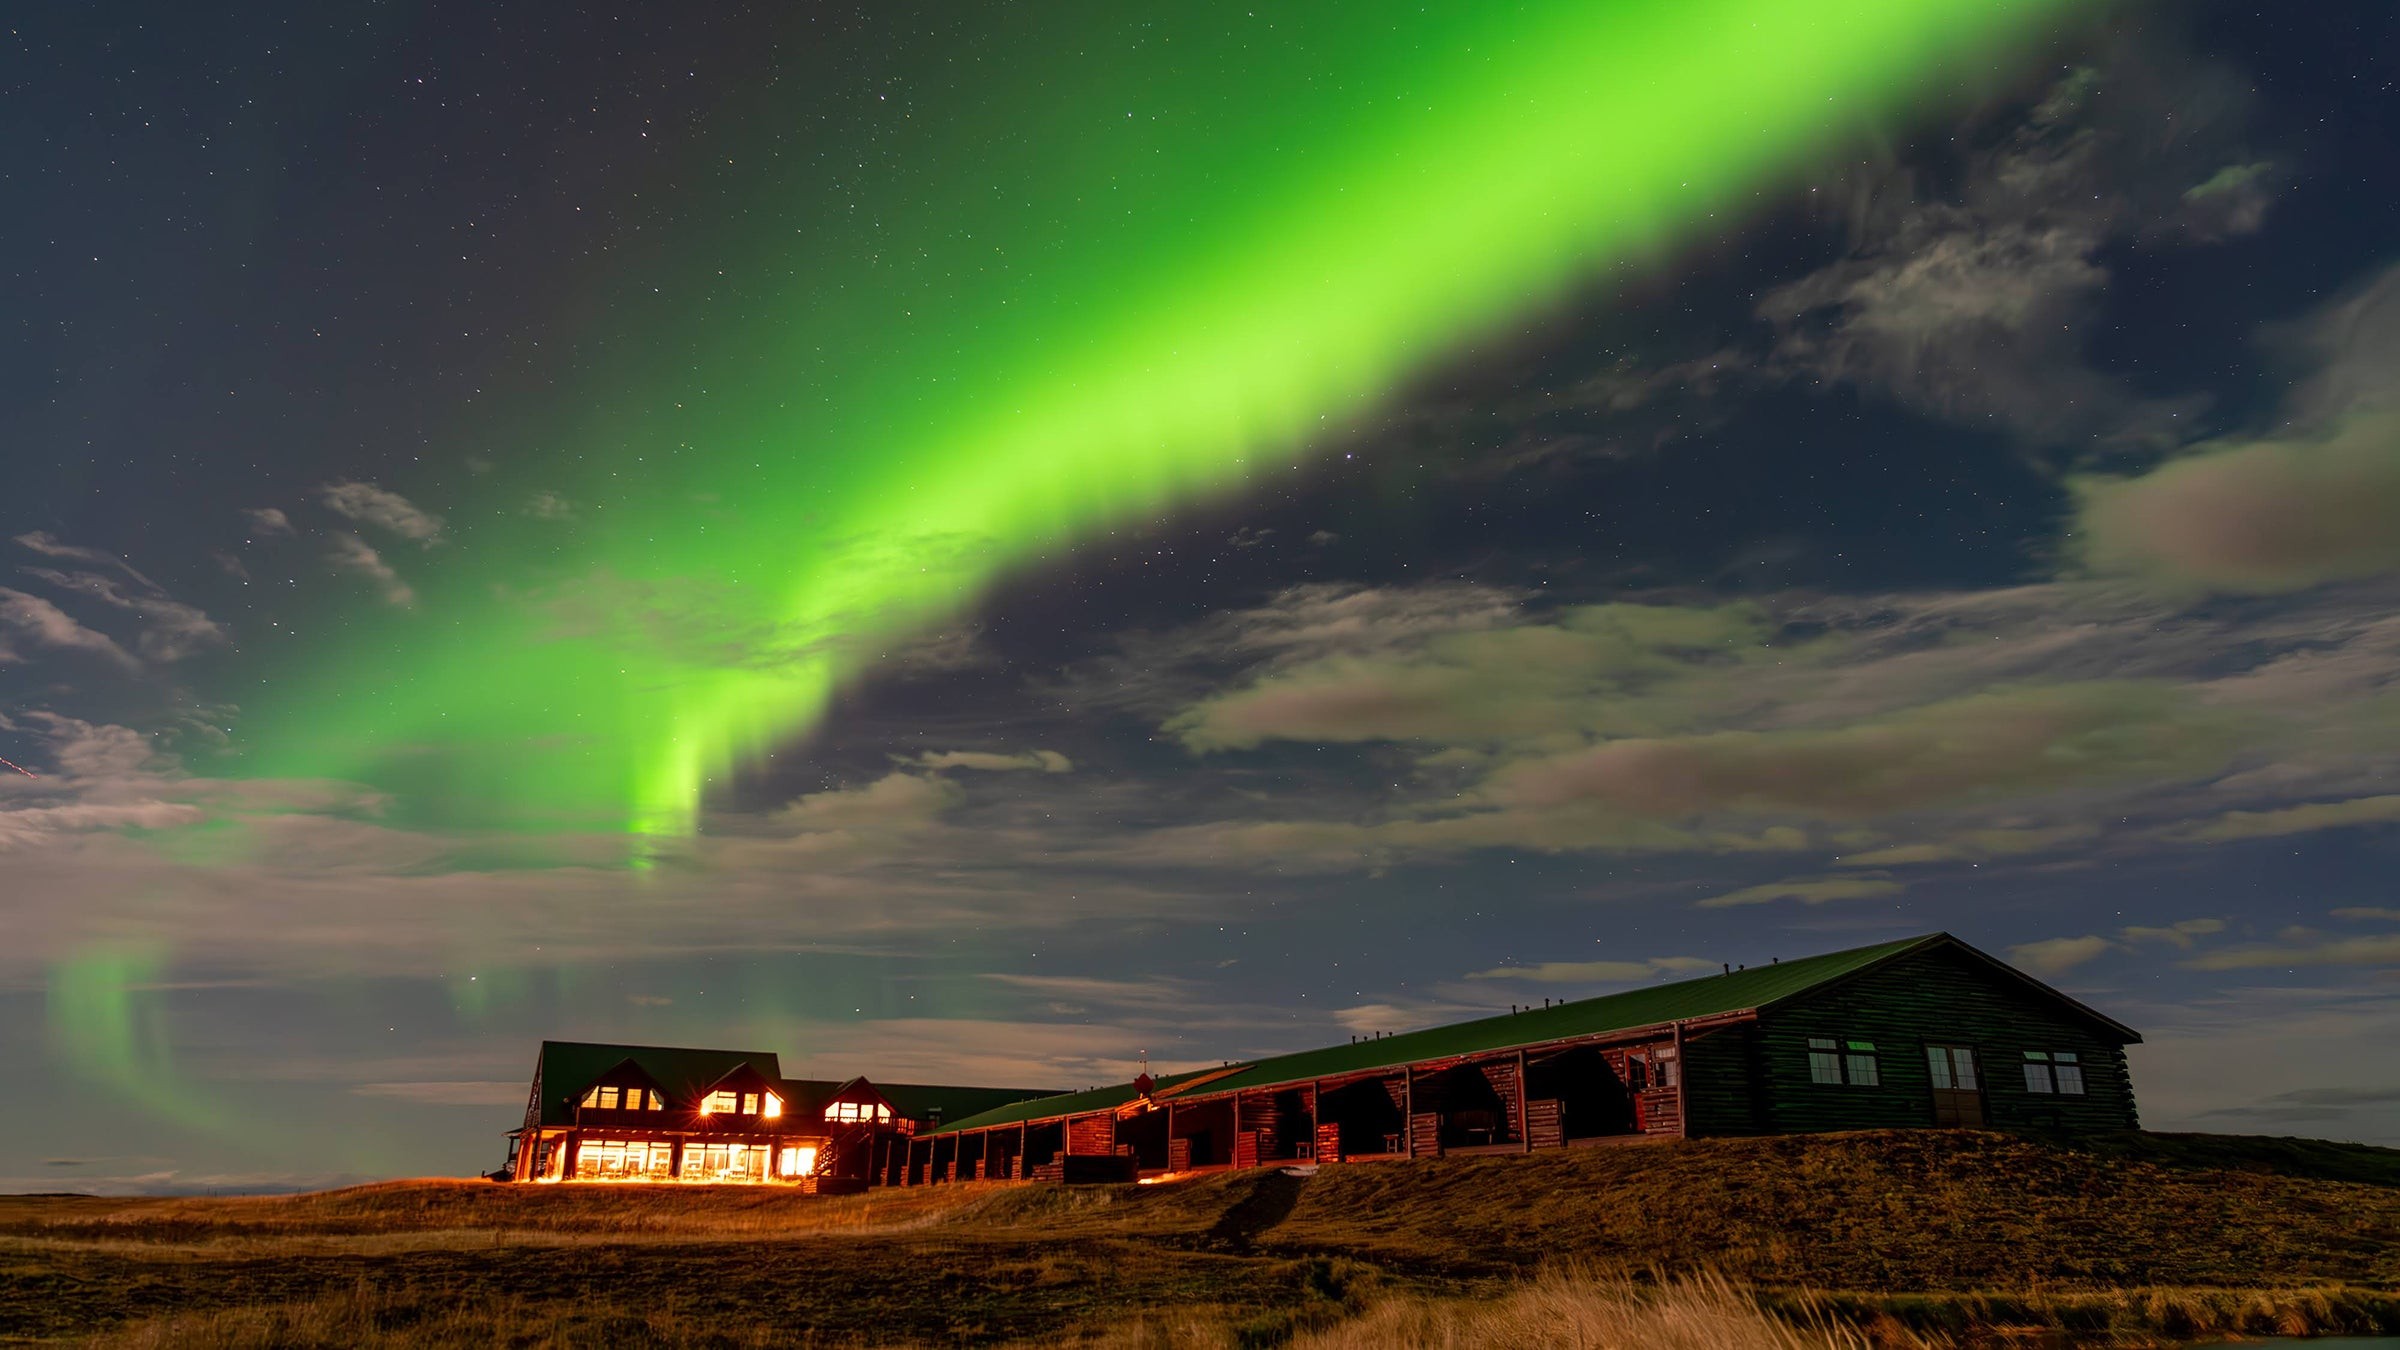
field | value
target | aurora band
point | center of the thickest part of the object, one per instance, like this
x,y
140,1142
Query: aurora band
x,y
1281,248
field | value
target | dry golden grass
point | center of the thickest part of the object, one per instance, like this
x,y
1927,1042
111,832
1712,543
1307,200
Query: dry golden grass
x,y
1588,1312
1555,1309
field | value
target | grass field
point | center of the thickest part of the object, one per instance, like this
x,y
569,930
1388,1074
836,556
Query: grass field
x,y
1894,1239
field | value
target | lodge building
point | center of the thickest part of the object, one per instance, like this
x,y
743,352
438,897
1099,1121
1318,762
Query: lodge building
x,y
627,1113
1926,1031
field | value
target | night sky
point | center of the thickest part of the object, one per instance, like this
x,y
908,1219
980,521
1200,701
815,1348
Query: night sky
x,y
985,544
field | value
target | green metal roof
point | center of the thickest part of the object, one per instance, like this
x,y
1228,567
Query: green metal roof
x,y
1683,1000
1069,1103
568,1067
918,1101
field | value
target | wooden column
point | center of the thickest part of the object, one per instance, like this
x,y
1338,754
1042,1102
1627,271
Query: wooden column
x,y
1316,1091
1235,1159
1408,1111
1683,1104
1024,1137
1524,1140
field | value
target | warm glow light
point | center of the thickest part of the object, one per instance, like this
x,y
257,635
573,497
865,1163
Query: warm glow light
x,y
798,1161
704,1106
773,1108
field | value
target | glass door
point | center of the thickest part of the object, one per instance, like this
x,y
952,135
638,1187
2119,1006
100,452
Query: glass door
x,y
1957,1093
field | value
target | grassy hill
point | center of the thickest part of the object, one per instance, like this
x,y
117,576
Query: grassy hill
x,y
1906,1237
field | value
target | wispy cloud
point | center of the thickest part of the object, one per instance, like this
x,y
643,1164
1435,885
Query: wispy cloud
x,y
2378,950
1806,890
453,1092
1038,761
2058,956
170,629
368,504
35,623
2311,502
351,553
1599,972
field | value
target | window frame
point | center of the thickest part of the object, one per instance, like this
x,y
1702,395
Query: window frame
x,y
1842,1061
2055,1073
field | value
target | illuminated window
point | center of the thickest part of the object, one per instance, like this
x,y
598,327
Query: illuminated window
x,y
623,1160
657,1103
719,1103
2059,1071
771,1107
749,1103
797,1161
858,1111
608,1099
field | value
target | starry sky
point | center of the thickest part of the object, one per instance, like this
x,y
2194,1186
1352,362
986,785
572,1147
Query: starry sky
x,y
996,547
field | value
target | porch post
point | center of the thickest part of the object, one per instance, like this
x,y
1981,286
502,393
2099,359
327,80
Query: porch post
x,y
1316,1090
1524,1142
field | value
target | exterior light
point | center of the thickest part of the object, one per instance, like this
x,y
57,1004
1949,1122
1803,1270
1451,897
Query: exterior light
x,y
773,1108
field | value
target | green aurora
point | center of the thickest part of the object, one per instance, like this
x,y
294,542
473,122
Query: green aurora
x,y
1068,294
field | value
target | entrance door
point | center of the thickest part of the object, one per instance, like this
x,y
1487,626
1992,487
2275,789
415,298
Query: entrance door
x,y
1957,1094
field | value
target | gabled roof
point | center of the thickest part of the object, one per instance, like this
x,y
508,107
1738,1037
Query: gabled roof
x,y
1743,991
568,1067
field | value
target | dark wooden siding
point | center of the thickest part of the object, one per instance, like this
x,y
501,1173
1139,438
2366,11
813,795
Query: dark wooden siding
x,y
1723,1087
1936,997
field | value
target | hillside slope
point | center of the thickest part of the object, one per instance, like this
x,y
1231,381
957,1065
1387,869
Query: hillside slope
x,y
1899,1219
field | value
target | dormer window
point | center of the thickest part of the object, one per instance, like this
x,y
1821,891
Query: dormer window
x,y
720,1103
612,1098
859,1111
771,1107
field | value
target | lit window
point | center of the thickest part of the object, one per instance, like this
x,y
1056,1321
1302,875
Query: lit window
x,y
719,1103
657,1103
608,1099
592,1097
797,1161
771,1107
